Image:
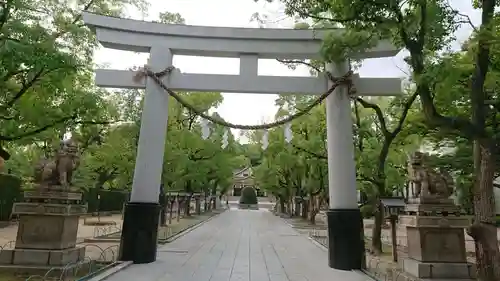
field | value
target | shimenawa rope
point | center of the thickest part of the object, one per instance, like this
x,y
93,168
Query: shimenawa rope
x,y
147,72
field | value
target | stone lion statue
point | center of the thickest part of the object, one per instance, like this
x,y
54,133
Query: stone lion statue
x,y
426,181
58,172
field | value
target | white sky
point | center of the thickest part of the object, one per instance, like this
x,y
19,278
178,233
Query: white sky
x,y
250,108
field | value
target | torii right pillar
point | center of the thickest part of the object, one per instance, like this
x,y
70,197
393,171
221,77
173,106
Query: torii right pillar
x,y
345,224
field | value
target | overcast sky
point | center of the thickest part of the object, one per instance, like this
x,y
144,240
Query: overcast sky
x,y
250,108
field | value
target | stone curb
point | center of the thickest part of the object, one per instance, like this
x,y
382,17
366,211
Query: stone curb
x,y
189,229
101,240
108,272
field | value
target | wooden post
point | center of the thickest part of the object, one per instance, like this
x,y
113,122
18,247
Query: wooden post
x,y
393,219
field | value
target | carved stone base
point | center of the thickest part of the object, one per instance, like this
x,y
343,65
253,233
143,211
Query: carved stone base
x,y
435,221
25,208
47,232
436,244
435,238
431,200
439,270
29,257
431,209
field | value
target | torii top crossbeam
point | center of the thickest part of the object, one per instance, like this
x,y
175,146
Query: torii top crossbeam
x,y
248,44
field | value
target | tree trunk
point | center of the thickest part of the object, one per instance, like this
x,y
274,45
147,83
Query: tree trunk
x,y
312,219
296,211
179,206
205,203
187,206
303,209
171,211
313,210
483,230
376,246
198,205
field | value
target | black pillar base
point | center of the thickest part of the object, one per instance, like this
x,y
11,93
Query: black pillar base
x,y
139,232
345,239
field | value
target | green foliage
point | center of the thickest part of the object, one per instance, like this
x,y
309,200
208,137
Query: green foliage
x,y
248,196
105,200
10,192
46,71
299,169
367,211
171,18
48,91
338,46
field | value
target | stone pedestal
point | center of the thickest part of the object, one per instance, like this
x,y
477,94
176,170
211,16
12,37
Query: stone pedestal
x,y
47,232
436,242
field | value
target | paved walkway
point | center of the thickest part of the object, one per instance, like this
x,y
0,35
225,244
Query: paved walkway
x,y
239,245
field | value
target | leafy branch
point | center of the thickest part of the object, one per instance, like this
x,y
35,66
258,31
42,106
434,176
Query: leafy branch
x,y
56,122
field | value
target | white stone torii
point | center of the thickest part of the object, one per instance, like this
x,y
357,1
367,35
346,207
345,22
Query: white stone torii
x,y
163,41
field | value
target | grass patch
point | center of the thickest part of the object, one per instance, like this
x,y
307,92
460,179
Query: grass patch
x,y
12,277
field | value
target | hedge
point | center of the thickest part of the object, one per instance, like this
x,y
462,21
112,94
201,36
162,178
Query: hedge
x,y
110,200
10,192
248,196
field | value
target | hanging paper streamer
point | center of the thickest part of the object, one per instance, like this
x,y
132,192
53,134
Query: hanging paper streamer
x,y
205,129
224,140
265,140
288,132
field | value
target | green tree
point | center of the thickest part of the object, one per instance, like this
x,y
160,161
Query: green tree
x,y
46,70
374,138
46,76
426,28
296,169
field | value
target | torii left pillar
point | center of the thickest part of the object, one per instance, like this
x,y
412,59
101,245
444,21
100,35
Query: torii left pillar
x,y
142,213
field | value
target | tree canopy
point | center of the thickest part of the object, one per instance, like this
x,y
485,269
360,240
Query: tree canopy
x,y
48,93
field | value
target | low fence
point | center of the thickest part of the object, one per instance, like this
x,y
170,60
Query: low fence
x,y
106,230
97,258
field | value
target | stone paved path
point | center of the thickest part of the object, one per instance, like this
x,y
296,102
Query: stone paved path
x,y
239,245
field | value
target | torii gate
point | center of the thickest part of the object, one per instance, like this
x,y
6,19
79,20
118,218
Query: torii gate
x,y
163,41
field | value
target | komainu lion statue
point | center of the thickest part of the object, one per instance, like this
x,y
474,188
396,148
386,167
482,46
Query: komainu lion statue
x,y
426,181
59,171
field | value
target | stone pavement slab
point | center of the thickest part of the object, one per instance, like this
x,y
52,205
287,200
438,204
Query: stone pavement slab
x,y
239,245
